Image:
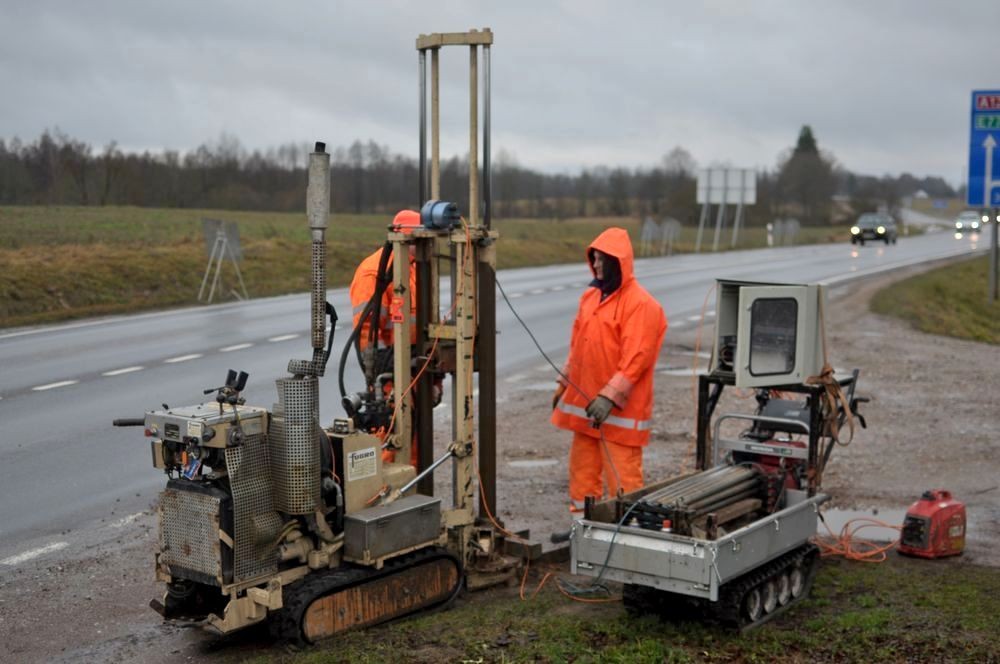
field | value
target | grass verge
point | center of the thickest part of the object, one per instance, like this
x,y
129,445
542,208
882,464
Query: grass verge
x,y
950,301
902,610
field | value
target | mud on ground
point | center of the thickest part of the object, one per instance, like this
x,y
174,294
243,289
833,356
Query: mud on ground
x,y
933,422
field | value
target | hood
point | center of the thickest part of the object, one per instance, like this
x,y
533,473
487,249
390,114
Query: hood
x,y
614,242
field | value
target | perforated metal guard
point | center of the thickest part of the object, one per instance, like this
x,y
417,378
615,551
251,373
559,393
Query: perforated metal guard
x,y
318,294
293,443
255,523
189,532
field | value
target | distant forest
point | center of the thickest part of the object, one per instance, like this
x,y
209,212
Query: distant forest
x,y
56,169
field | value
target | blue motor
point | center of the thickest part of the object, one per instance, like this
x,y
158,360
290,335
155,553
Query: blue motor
x,y
440,215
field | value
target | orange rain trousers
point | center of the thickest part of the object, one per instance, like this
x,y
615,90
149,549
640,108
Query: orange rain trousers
x,y
591,458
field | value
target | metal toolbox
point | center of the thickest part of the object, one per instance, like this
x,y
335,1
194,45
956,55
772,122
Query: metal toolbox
x,y
376,533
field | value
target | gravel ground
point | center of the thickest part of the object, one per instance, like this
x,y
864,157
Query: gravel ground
x,y
932,423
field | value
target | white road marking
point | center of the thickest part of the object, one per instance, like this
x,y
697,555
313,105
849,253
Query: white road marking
x,y
34,553
557,288
515,378
124,521
694,318
709,314
62,383
514,295
229,349
536,291
283,337
182,358
119,372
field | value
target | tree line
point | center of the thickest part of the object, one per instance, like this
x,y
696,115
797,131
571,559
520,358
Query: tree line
x,y
56,169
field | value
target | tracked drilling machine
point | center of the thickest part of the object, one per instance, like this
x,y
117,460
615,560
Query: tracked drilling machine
x,y
731,541
268,513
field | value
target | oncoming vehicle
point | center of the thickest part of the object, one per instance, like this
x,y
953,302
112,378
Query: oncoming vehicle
x,y
872,226
969,220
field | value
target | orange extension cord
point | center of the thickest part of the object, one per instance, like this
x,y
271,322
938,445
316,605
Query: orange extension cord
x,y
852,547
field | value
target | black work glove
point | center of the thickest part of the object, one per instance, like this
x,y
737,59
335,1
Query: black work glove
x,y
599,409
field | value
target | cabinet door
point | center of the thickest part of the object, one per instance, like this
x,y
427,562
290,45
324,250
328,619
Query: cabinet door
x,y
771,335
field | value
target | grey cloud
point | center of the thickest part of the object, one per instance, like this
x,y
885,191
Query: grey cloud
x,y
884,85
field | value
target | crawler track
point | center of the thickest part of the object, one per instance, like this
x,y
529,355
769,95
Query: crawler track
x,y
325,604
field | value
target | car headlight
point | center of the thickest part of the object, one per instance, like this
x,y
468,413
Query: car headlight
x,y
958,224
986,218
975,225
855,230
881,230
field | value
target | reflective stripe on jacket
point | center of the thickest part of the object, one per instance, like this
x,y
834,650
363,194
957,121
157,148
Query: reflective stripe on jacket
x,y
363,287
613,351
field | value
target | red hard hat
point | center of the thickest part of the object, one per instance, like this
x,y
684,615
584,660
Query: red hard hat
x,y
405,221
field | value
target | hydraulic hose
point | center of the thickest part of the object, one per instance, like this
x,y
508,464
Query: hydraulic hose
x,y
352,341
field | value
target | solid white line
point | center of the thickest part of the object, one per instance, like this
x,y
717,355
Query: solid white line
x,y
34,553
119,372
229,349
283,337
182,358
62,383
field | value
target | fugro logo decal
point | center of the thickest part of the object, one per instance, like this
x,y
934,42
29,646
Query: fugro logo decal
x,y
361,463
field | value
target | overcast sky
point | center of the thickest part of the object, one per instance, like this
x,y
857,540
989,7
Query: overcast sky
x,y
885,85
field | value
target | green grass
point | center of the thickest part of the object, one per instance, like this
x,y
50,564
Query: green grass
x,y
902,610
950,301
58,263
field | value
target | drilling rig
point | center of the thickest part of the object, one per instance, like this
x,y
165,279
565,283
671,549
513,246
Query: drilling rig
x,y
267,513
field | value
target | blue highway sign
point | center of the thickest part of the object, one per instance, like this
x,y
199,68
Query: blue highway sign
x,y
984,153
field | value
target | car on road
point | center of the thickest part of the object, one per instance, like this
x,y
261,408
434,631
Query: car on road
x,y
873,226
969,220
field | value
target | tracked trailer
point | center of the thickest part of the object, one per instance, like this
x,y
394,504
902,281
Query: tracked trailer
x,y
730,542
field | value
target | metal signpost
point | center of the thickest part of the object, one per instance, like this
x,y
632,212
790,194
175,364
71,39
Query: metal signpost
x,y
984,167
724,186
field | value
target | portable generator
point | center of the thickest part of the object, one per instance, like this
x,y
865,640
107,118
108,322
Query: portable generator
x,y
934,526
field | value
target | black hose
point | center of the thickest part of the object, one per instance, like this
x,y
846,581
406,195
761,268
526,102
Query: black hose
x,y
129,422
354,339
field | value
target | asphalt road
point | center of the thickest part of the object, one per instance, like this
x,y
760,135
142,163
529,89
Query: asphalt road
x,y
63,466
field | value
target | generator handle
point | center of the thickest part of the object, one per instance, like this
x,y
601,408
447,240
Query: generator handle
x,y
129,422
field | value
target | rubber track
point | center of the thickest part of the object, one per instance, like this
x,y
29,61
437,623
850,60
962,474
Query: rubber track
x,y
286,624
730,605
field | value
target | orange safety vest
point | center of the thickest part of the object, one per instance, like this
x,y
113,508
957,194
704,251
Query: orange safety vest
x,y
613,351
362,289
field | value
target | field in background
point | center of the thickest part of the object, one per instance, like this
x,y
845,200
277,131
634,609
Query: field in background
x,y
58,263
948,213
951,300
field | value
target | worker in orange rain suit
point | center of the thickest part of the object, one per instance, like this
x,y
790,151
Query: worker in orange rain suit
x,y
362,289
605,395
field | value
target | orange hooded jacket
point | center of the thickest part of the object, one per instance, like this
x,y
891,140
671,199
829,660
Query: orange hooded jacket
x,y
362,289
613,352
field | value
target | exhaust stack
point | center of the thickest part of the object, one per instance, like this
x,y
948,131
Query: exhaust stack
x,y
318,213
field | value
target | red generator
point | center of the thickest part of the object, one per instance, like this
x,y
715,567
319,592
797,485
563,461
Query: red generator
x,y
934,526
